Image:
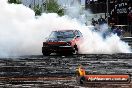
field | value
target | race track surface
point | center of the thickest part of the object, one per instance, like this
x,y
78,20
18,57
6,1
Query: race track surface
x,y
60,71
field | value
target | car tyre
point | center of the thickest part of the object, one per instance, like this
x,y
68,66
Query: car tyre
x,y
75,49
46,53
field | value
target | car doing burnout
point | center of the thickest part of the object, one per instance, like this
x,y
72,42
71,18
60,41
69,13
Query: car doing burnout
x,y
62,41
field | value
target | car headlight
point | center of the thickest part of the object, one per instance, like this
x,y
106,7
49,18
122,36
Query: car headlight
x,y
68,43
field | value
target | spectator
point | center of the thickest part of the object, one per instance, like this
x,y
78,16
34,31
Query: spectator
x,y
113,28
101,20
117,31
96,28
94,22
122,31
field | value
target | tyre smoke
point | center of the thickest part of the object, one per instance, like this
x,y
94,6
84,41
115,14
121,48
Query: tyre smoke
x,y
21,33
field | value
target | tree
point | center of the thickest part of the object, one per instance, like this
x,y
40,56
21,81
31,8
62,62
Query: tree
x,y
53,7
14,1
37,10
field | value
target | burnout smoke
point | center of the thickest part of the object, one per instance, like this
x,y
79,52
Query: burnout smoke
x,y
22,34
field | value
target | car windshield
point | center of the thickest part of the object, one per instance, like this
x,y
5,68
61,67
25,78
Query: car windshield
x,y
62,34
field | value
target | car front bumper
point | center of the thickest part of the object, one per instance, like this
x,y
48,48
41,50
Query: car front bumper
x,y
57,49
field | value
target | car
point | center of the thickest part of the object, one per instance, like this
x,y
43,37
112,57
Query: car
x,y
62,41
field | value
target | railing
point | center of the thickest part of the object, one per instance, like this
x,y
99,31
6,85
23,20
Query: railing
x,y
128,40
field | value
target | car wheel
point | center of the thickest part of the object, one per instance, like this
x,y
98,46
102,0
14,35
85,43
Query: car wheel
x,y
46,53
75,49
66,53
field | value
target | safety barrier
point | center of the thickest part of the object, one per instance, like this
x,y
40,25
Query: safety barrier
x,y
128,40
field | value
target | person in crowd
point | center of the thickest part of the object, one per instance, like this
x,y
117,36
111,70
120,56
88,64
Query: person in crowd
x,y
113,28
118,31
94,22
101,20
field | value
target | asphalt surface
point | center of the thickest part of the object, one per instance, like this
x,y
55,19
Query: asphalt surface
x,y
60,71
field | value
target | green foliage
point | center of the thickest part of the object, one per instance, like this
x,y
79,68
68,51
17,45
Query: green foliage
x,y
37,10
53,7
60,12
14,1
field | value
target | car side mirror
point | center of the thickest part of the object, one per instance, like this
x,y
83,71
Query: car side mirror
x,y
77,36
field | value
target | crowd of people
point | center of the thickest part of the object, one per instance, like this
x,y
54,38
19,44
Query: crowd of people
x,y
118,30
119,14
100,21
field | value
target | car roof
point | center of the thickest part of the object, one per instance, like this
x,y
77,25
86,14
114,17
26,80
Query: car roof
x,y
64,30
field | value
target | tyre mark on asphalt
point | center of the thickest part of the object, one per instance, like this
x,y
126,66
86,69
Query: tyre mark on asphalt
x,y
60,66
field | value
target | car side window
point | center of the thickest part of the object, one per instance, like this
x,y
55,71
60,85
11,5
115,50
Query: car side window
x,y
80,34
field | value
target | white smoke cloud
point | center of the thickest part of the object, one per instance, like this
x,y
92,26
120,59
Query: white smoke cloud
x,y
22,34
